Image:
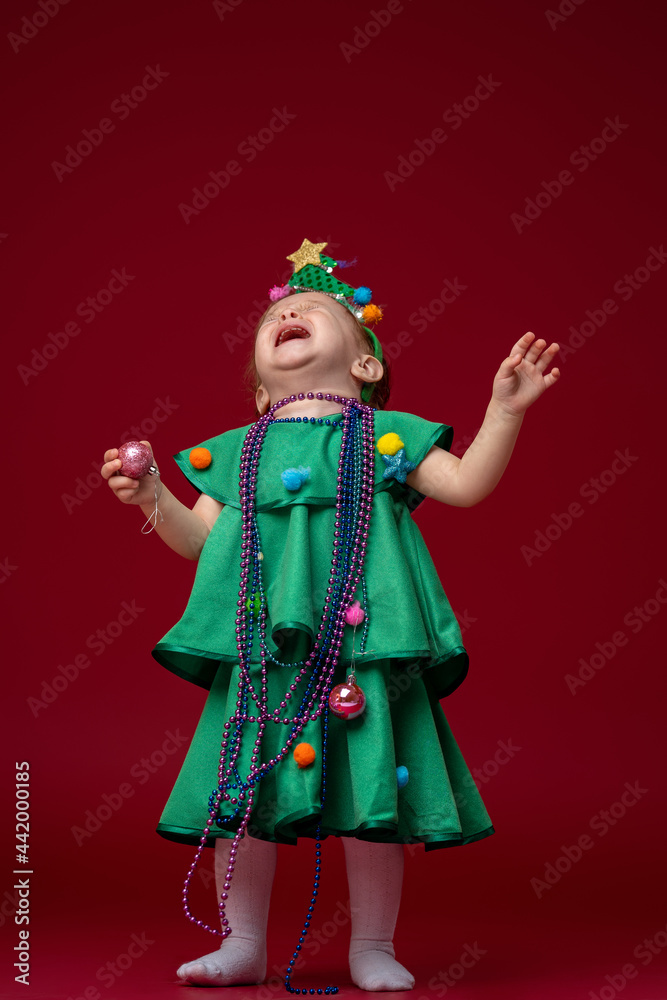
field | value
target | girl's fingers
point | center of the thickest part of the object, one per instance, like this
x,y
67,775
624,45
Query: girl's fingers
x,y
110,454
122,482
522,344
547,357
109,468
535,349
509,364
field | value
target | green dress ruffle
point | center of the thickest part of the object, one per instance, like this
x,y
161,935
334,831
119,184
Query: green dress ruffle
x,y
414,654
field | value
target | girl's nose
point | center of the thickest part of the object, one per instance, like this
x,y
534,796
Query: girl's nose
x,y
289,313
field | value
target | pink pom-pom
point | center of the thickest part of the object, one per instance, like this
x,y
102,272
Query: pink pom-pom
x,y
279,292
354,615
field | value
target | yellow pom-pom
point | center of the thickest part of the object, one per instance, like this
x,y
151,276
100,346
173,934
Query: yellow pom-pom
x,y
304,754
201,458
371,313
389,444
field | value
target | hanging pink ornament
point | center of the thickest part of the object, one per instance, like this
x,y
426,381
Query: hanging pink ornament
x,y
347,700
354,615
136,458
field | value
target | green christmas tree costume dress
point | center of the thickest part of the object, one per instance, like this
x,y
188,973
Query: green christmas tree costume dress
x,y
413,654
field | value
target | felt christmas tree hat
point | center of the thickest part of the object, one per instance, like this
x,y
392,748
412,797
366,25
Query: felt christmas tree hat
x,y
313,272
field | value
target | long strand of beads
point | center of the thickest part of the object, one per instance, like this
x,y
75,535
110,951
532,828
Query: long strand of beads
x,y
354,497
316,882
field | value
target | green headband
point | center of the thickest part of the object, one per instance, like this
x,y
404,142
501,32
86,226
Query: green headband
x,y
313,272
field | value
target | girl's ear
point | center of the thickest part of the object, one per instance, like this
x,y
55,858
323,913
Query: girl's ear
x,y
262,401
367,368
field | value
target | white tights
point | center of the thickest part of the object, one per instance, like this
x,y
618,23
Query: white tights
x,y
375,875
241,958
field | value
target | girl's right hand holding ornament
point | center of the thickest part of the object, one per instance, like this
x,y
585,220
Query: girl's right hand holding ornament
x,y
132,474
137,487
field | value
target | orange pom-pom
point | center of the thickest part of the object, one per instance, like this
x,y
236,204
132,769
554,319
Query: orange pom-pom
x,y
304,754
371,313
201,458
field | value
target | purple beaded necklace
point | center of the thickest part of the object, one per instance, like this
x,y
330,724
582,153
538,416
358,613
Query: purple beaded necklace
x,y
313,680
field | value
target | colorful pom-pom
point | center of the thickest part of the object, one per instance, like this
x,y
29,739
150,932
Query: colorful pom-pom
x,y
293,479
354,615
200,458
362,295
371,314
279,292
304,754
389,444
402,776
253,605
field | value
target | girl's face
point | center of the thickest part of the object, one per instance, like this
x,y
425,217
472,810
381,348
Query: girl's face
x,y
309,336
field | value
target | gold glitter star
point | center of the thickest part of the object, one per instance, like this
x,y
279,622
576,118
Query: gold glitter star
x,y
308,253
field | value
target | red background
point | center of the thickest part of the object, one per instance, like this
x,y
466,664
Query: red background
x,y
527,619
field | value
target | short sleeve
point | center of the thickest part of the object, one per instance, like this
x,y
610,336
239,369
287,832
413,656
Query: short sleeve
x,y
418,437
220,478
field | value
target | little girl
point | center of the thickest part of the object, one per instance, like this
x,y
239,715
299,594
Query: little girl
x,y
319,626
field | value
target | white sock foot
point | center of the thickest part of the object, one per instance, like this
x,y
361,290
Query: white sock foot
x,y
378,971
375,875
235,963
241,958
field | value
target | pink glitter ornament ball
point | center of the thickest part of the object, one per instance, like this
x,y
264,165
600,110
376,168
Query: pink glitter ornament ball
x,y
136,458
347,700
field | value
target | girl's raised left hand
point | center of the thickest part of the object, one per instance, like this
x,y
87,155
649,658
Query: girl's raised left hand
x,y
520,380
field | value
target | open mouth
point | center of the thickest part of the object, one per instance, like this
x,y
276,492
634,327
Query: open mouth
x,y
291,333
